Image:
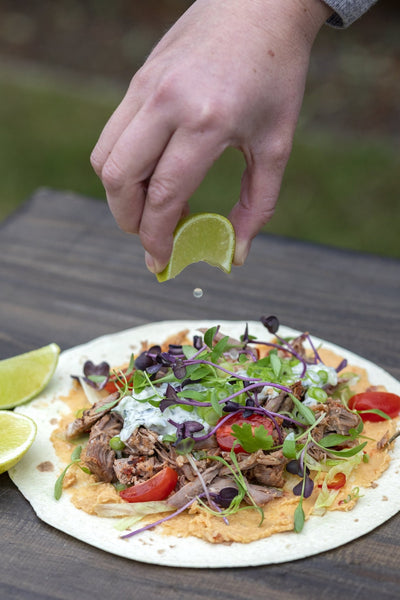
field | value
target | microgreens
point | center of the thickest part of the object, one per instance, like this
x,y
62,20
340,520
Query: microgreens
x,y
218,377
75,460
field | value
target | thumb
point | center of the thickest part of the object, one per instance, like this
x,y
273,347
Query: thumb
x,y
259,192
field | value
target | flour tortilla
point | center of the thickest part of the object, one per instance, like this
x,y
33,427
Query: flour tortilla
x,y
320,533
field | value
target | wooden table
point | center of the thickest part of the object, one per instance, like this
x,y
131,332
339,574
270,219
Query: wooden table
x,y
68,274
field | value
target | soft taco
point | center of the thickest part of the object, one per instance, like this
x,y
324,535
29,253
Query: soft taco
x,y
203,445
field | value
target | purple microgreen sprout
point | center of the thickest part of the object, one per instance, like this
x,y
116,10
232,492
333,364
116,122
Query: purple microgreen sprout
x,y
317,357
186,429
96,376
160,521
271,323
198,342
225,496
204,486
341,365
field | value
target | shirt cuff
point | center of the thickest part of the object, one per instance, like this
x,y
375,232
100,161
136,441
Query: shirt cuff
x,y
347,11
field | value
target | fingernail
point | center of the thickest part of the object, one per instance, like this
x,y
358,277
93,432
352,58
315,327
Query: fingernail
x,y
241,251
152,264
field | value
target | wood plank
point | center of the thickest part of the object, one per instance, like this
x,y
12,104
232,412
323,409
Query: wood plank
x,y
68,274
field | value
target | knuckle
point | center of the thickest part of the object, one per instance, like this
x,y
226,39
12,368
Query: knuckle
x,y
212,113
112,176
96,160
161,192
280,149
149,240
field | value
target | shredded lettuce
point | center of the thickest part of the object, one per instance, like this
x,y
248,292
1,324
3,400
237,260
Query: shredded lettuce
x,y
326,496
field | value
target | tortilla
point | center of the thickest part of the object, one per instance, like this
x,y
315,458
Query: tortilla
x,y
36,473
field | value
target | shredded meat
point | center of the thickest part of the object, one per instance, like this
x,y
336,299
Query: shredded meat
x,y
132,470
98,456
340,420
90,416
260,494
283,402
142,442
193,488
269,476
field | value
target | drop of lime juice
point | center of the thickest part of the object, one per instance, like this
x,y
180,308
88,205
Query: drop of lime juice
x,y
197,292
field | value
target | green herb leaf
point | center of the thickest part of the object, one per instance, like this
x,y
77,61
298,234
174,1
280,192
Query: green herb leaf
x,y
184,446
289,446
333,439
305,412
192,395
76,454
354,432
219,349
375,411
348,451
299,517
131,366
107,406
209,336
250,440
276,364
59,483
213,398
139,381
189,351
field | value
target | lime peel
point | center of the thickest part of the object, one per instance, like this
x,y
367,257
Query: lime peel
x,y
207,237
24,376
17,433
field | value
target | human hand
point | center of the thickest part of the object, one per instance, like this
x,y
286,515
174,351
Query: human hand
x,y
228,73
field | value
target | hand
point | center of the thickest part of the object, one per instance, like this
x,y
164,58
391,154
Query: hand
x,y
228,73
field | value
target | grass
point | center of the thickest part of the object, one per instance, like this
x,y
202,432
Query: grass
x,y
337,189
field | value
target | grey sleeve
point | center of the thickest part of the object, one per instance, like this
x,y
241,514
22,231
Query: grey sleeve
x,y
347,11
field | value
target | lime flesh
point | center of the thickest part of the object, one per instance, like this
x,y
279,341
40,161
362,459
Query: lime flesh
x,y
207,237
22,377
17,433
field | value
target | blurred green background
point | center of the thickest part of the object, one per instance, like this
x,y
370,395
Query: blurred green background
x,y
64,67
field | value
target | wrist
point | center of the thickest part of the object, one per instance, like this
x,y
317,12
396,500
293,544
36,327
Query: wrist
x,y
297,19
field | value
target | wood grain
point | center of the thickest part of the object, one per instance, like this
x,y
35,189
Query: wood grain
x,y
68,274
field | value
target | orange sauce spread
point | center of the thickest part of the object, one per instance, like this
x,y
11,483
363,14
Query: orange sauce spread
x,y
244,526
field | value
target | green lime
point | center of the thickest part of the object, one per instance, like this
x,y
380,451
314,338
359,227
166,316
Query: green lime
x,y
22,377
203,236
17,433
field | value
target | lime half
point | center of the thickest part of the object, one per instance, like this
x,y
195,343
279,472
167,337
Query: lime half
x,y
22,377
207,237
17,433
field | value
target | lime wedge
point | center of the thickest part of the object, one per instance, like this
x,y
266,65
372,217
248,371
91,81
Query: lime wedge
x,y
22,377
203,236
17,433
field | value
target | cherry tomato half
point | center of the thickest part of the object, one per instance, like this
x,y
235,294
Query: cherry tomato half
x,y
384,401
114,384
337,482
225,437
157,487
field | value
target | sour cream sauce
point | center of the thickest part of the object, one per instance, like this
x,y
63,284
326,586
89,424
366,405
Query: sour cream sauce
x,y
136,412
318,376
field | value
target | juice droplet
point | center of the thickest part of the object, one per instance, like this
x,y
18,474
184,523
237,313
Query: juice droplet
x,y
197,292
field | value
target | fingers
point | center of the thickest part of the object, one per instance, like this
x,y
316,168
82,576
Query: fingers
x,y
182,167
259,193
130,164
113,129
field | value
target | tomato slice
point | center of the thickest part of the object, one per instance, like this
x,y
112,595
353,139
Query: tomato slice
x,y
157,487
384,401
225,437
337,482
